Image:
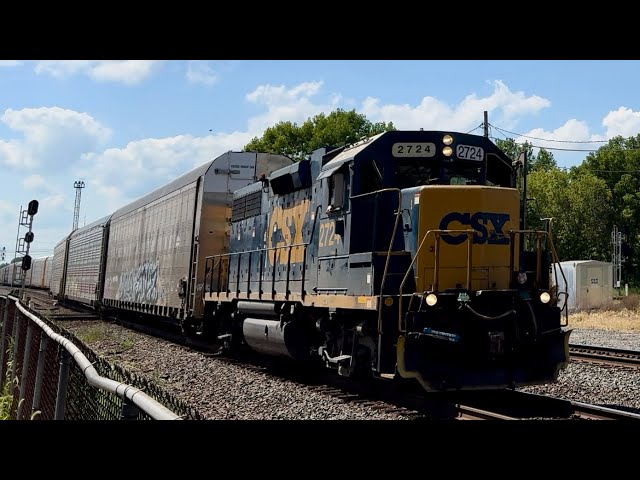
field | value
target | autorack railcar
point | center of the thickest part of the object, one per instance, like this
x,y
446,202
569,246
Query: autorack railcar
x,y
39,275
79,261
148,256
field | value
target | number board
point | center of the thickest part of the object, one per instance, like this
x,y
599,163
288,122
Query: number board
x,y
468,152
424,149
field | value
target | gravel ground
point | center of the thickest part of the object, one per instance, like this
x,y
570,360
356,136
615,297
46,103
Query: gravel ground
x,y
217,389
606,338
220,390
610,386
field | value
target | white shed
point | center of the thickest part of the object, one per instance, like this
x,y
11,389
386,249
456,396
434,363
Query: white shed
x,y
589,284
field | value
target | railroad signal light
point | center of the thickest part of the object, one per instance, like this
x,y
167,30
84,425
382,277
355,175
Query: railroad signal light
x,y
28,237
33,207
26,263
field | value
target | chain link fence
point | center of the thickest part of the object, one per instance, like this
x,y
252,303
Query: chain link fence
x,y
52,375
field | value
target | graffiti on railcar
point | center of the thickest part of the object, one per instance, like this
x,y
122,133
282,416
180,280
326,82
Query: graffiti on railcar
x,y
141,285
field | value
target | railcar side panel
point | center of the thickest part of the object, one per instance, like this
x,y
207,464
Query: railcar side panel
x,y
58,270
4,275
85,265
48,268
148,254
36,278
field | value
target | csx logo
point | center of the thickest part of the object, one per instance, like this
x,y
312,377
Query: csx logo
x,y
488,227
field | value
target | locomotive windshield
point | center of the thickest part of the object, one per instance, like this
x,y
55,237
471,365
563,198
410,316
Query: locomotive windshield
x,y
416,172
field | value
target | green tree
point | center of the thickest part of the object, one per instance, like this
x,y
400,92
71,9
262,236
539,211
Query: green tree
x,y
581,208
338,128
618,164
544,160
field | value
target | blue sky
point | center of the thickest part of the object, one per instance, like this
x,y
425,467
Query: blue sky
x,y
128,127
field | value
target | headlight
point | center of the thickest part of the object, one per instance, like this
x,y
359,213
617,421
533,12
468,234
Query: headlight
x,y
447,139
522,278
545,297
432,299
447,151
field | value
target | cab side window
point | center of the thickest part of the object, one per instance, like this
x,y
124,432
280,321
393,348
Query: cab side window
x,y
338,191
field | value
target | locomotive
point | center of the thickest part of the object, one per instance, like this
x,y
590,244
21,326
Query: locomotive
x,y
401,256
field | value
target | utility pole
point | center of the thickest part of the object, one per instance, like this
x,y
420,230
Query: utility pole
x,y
616,257
486,124
78,185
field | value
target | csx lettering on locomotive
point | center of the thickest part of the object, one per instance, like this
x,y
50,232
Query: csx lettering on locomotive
x,y
479,221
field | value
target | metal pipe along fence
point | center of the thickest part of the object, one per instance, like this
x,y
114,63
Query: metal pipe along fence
x,y
51,375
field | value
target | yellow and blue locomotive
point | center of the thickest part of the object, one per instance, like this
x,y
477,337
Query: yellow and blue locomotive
x,y
402,255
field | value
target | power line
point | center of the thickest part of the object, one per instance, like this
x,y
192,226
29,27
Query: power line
x,y
548,139
479,126
571,150
615,171
554,148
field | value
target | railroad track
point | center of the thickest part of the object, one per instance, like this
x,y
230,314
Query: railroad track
x,y
384,395
606,355
596,412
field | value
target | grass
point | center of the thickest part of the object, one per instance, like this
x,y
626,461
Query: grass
x,y
622,314
92,335
99,333
6,400
5,403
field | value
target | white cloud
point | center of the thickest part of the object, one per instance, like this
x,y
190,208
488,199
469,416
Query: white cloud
x,y
432,113
52,137
10,63
623,121
52,202
38,185
201,72
13,153
572,135
7,211
293,105
63,68
34,182
118,174
129,72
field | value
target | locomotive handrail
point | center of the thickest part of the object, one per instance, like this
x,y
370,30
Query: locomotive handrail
x,y
290,247
565,307
539,234
437,232
386,263
376,192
